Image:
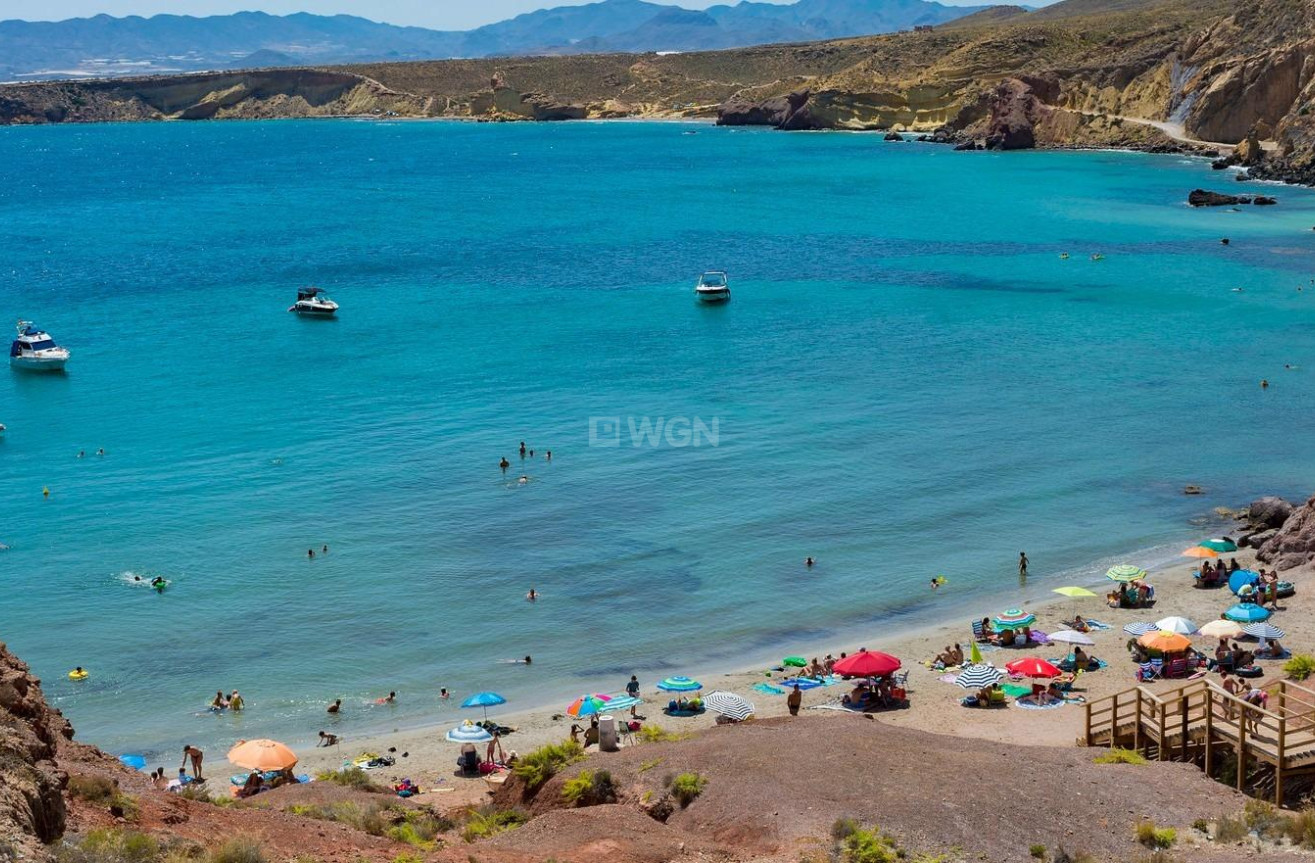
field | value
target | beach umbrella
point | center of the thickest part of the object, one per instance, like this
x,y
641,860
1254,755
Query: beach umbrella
x,y
729,704
588,705
623,702
1247,612
979,677
1221,629
679,684
468,732
484,700
975,655
1165,642
1242,578
1074,592
1200,551
867,663
1221,545
1125,572
262,755
1139,628
794,662
1180,625
1014,618
1071,636
1263,630
1033,666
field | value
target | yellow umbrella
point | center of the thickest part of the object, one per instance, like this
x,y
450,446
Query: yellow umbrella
x,y
1200,551
976,656
1073,591
263,755
1165,642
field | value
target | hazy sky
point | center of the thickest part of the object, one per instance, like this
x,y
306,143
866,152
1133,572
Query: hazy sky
x,y
439,14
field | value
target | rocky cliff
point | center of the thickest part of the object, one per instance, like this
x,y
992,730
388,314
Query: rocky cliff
x,y
31,784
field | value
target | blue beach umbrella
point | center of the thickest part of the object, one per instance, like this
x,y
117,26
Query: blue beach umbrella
x,y
1246,612
484,700
1241,579
468,732
679,684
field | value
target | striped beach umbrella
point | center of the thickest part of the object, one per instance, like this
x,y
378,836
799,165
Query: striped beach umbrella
x,y
729,704
1247,612
468,732
979,677
679,684
1180,625
623,702
1263,630
1014,618
588,705
1139,628
1125,572
1220,544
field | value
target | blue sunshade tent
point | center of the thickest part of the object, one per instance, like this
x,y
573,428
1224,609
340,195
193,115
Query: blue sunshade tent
x,y
679,684
1246,612
484,700
136,762
1241,579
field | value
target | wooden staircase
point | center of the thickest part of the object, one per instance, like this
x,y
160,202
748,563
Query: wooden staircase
x,y
1199,721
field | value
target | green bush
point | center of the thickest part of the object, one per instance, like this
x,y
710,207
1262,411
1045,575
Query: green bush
x,y
657,734
408,857
1262,817
1121,756
589,788
1037,851
869,846
112,846
1154,837
646,766
488,821
545,762
843,828
1300,828
352,777
1230,830
687,786
1300,666
240,849
104,792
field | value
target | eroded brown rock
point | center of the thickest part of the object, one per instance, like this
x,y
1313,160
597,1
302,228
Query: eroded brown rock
x,y
32,811
1294,544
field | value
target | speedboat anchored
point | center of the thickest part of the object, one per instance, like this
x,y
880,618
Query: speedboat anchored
x,y
713,287
36,351
313,301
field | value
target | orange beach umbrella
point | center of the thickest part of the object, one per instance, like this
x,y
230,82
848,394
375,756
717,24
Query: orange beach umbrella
x,y
263,755
1200,551
1166,642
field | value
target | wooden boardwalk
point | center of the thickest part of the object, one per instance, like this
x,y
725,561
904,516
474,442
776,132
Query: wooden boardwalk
x,y
1201,722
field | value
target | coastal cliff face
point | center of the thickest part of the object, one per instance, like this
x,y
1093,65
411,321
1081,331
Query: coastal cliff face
x,y
32,810
1150,74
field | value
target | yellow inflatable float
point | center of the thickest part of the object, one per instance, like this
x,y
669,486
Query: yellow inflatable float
x,y
78,673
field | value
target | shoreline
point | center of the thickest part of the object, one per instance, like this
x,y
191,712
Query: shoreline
x,y
541,723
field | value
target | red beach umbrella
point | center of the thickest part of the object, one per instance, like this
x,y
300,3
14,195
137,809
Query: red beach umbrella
x,y
867,663
1031,666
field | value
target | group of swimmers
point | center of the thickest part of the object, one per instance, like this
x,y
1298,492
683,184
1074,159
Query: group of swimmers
x,y
83,453
310,552
524,453
234,702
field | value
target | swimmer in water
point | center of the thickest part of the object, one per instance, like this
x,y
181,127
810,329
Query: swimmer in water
x,y
45,491
100,452
335,706
531,453
391,699
443,693
808,561
1264,384
522,449
136,578
82,453
532,596
935,584
524,480
549,456
504,464
324,550
310,554
528,660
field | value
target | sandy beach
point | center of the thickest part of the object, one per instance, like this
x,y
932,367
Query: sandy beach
x,y
933,705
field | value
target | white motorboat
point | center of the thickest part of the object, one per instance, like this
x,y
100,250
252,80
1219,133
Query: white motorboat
x,y
34,350
713,287
314,302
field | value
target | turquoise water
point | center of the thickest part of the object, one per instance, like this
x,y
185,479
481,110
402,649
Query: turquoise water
x,y
909,381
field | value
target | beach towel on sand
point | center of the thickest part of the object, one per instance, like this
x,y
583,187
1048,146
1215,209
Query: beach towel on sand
x,y
1030,702
768,689
1097,625
1014,691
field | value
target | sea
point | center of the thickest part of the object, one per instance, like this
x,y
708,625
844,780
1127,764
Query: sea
x,y
922,372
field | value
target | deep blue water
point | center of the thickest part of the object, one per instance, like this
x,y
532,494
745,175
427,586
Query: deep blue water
x,y
909,381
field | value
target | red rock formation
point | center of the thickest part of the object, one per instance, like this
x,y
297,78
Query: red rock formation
x,y
32,809
1294,544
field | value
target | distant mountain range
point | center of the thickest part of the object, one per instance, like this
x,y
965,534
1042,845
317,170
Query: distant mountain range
x,y
105,46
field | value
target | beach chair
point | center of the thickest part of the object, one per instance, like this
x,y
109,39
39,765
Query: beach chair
x,y
1147,671
1176,668
978,633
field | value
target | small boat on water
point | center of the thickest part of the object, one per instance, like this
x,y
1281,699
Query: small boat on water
x,y
713,287
34,350
313,302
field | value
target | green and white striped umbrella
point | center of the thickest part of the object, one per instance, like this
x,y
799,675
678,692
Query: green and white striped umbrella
x,y
1125,572
979,676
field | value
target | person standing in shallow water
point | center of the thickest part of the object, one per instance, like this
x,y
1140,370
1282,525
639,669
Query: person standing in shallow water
x,y
1022,567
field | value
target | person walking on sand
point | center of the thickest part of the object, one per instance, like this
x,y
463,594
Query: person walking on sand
x,y
794,699
196,756
632,687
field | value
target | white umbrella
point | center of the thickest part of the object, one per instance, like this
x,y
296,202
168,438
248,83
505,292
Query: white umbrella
x,y
1070,636
468,732
729,704
1180,625
1221,629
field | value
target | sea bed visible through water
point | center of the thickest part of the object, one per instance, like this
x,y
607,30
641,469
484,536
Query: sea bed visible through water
x,y
909,382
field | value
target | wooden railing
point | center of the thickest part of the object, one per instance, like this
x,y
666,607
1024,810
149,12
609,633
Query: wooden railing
x,y
1202,715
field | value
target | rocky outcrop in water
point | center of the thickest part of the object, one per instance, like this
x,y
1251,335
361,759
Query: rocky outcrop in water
x,y
32,811
1206,198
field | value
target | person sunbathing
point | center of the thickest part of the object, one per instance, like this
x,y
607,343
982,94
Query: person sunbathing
x,y
251,787
1273,650
945,658
1079,625
957,655
1080,658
